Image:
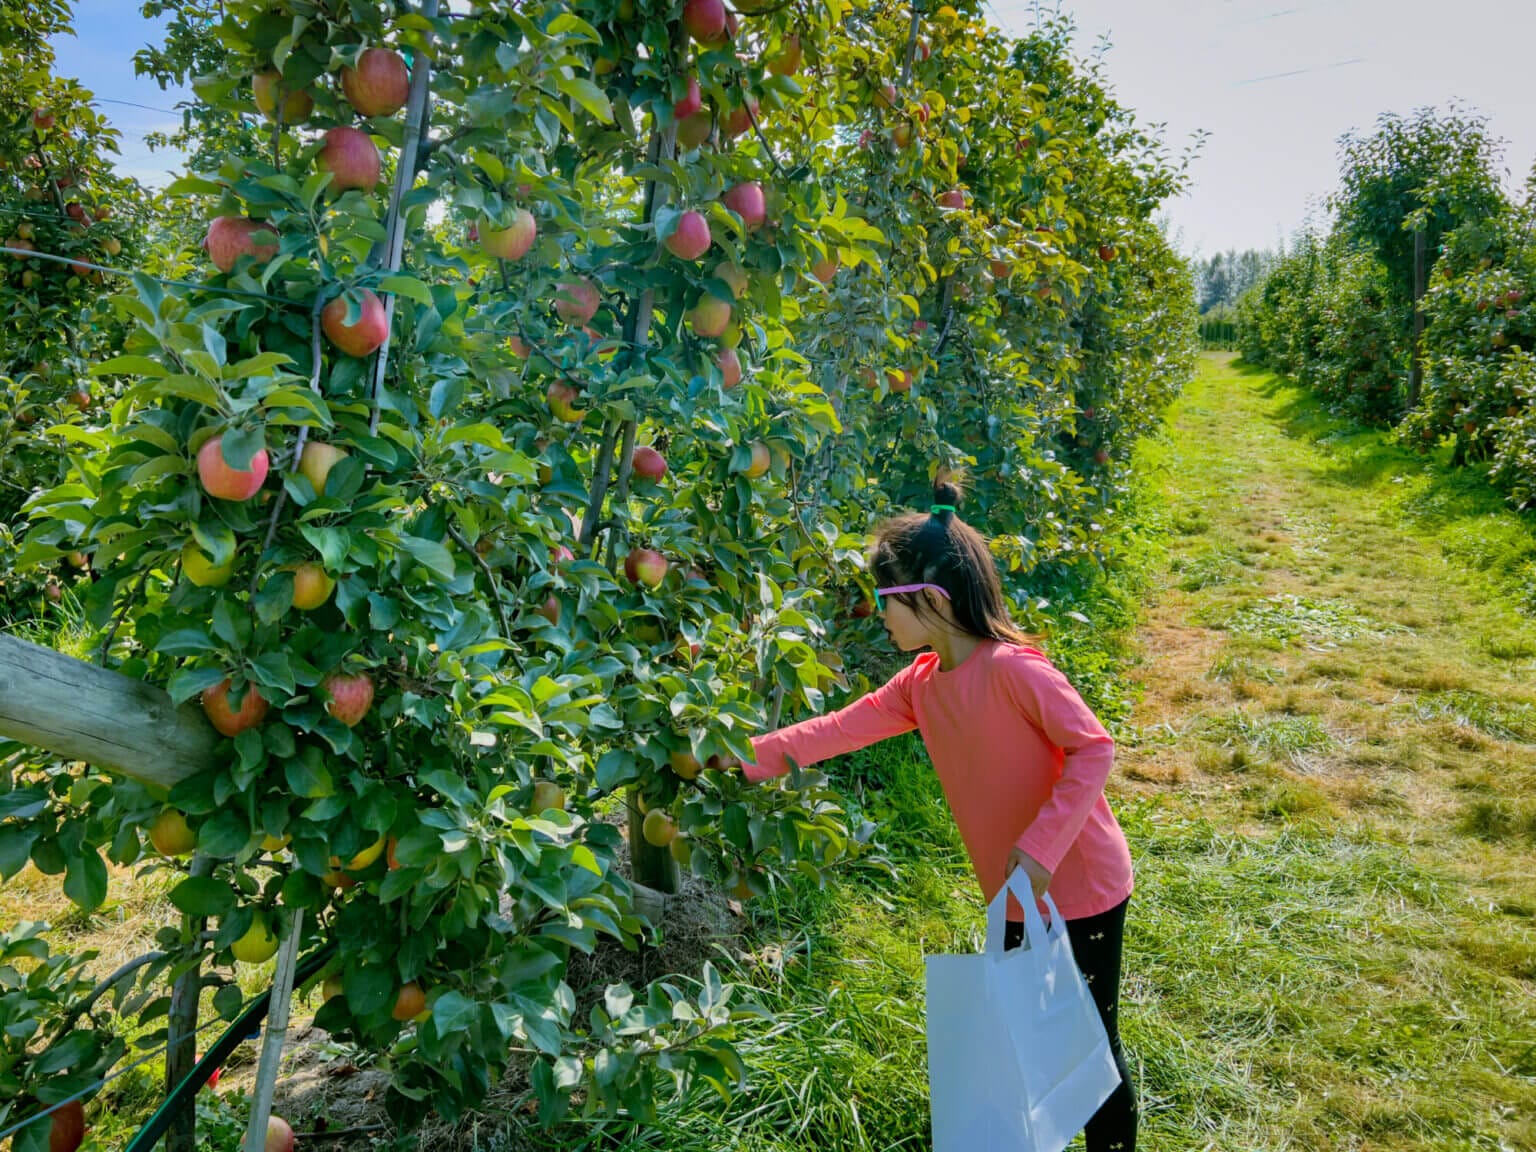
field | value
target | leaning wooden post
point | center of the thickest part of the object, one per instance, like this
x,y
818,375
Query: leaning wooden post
x,y
78,711
273,1038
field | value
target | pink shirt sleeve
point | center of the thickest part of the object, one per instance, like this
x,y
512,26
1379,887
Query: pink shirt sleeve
x,y
1053,705
880,714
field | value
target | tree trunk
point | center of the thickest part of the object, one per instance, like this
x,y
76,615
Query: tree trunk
x,y
1416,372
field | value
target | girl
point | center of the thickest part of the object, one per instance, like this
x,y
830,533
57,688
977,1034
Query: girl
x,y
1022,759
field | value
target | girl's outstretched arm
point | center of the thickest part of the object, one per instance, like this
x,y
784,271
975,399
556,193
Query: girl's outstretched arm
x,y
880,714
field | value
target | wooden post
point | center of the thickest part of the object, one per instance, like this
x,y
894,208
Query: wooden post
x,y
78,711
273,1037
181,1028
1416,372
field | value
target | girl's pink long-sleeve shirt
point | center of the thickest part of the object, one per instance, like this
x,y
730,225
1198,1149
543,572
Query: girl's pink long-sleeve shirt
x,y
1022,759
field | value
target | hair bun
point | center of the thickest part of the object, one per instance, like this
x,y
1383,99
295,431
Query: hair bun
x,y
946,494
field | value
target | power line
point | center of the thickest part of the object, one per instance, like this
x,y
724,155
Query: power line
x,y
30,254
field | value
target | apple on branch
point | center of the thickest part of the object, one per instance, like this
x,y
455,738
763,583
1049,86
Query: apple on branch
x,y
222,479
349,696
379,83
363,336
511,242
265,89
690,237
351,157
645,566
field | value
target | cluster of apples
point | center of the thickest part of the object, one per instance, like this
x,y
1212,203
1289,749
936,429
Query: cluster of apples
x,y
378,84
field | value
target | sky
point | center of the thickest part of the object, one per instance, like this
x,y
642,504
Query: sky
x,y
1274,83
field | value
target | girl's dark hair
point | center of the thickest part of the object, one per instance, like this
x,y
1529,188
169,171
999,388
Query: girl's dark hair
x,y
939,548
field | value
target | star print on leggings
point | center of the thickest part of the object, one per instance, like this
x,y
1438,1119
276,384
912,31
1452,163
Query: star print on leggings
x,y
1097,936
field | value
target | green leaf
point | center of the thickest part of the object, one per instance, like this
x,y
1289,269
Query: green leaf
x,y
429,553
307,775
203,896
369,989
15,848
587,94
190,681
85,880
615,767
68,1052
224,835
240,445
130,366
23,803
454,1012
409,287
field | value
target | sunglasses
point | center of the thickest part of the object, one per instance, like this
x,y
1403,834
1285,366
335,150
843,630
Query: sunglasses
x,y
882,592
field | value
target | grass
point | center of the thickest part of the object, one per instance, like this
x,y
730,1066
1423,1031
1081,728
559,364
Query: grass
x,y
1332,944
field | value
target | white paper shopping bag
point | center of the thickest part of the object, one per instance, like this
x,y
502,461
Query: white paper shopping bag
x,y
1018,1059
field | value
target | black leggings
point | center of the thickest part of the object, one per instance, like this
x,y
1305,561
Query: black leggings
x,y
1096,943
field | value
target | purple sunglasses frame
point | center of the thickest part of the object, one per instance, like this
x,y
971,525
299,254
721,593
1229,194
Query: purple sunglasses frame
x,y
880,592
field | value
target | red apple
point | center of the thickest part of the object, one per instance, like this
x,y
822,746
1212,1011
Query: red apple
x,y
645,565
953,198
1001,269
68,1128
863,609
80,398
349,696
704,19
739,119
747,201
1107,252
75,211
221,479
550,610
576,301
710,317
379,84
231,237
1101,457
901,134
649,463
730,368
825,268
511,242
898,380
885,95
253,708
279,1135
43,121
919,327
787,62
691,238
361,338
351,158
690,103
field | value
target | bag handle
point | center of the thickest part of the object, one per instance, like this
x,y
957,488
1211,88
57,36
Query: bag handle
x,y
1034,927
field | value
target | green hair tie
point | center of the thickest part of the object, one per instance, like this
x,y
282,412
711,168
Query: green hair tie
x,y
937,508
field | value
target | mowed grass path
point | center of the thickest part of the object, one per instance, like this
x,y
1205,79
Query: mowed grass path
x,y
1334,941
